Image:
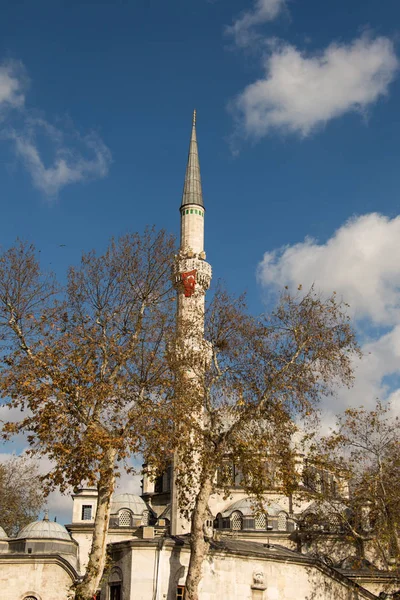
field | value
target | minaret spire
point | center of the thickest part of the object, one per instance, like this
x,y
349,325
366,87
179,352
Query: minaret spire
x,y
192,207
192,192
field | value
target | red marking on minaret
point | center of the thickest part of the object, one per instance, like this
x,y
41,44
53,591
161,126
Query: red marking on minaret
x,y
189,282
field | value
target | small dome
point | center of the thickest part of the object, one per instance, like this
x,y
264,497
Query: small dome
x,y
134,503
248,507
324,509
45,530
3,534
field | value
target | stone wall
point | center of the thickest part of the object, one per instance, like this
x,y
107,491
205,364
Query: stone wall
x,y
156,569
44,578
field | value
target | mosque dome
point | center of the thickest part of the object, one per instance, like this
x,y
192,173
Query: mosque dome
x,y
248,507
129,510
324,516
3,534
44,529
131,502
326,508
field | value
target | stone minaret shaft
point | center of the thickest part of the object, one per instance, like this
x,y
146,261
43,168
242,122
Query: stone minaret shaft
x,y
192,276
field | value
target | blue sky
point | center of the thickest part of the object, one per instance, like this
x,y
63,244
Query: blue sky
x,y
298,128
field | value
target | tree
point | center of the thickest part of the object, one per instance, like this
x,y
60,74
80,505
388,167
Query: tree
x,y
21,493
86,363
237,395
365,449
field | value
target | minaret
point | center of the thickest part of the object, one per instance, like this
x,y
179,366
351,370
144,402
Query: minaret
x,y
192,277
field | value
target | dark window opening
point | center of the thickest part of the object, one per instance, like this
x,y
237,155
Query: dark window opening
x,y
158,484
180,592
115,591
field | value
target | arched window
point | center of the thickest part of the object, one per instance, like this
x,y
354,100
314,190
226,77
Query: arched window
x,y
125,518
282,521
334,523
30,598
260,521
145,517
236,521
310,522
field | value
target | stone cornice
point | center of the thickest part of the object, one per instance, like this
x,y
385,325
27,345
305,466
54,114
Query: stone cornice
x,y
55,559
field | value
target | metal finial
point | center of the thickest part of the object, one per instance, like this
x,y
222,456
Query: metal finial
x,y
194,116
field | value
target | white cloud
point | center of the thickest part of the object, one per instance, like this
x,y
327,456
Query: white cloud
x,y
129,484
359,262
381,360
12,85
299,92
59,505
73,158
394,400
69,165
264,11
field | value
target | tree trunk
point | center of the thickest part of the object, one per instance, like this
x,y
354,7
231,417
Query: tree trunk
x,y
87,588
198,544
394,545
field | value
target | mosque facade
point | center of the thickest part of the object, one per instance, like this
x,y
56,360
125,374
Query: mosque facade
x,y
282,553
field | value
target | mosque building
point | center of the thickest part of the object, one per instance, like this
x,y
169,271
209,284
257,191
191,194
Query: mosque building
x,y
284,553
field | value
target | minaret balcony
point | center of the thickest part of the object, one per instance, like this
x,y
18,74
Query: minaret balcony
x,y
187,263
